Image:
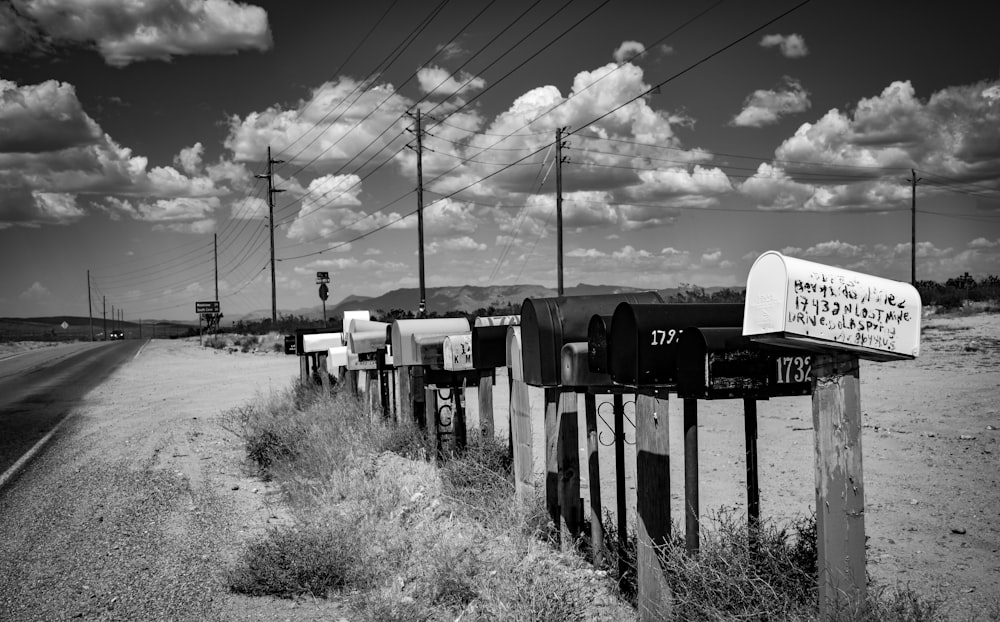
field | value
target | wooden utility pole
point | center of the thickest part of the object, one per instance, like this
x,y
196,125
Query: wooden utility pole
x,y
215,246
422,309
271,190
913,179
104,314
90,309
559,227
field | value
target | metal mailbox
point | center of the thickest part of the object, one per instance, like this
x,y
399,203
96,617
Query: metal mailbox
x,y
429,349
497,320
642,349
290,344
320,342
299,334
336,358
801,304
576,370
364,326
720,363
458,352
361,362
354,315
489,346
404,348
598,332
547,324
363,341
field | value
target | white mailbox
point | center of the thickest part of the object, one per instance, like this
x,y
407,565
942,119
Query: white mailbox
x,y
404,348
358,325
321,342
354,315
798,303
336,359
498,320
365,342
458,352
514,353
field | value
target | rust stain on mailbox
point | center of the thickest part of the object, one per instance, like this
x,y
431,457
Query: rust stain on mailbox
x,y
801,304
547,324
644,338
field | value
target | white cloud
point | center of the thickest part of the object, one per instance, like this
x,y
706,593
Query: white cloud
x,y
629,51
459,244
765,107
984,243
36,292
43,117
189,159
140,29
792,46
439,82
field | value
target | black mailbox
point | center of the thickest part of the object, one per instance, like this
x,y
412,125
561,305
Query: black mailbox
x,y
299,347
642,349
290,344
720,363
598,332
489,347
547,324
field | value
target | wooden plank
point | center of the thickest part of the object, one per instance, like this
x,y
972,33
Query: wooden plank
x,y
652,505
459,426
405,395
840,498
304,370
753,483
551,400
520,428
618,405
691,502
433,429
594,481
486,426
568,461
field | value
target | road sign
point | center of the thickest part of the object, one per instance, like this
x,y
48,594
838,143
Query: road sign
x,y
64,325
324,291
207,306
322,277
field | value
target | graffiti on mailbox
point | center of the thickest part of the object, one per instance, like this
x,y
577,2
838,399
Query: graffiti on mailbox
x,y
853,312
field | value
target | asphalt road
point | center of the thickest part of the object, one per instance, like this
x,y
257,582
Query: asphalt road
x,y
38,388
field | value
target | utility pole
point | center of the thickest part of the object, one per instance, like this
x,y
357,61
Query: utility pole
x,y
422,310
90,308
559,226
271,190
104,314
215,245
913,179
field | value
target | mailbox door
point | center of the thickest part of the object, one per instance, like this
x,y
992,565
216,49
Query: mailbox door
x,y
457,352
402,332
290,344
597,343
576,370
644,338
489,346
549,323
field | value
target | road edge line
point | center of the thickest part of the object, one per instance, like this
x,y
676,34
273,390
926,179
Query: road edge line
x,y
23,461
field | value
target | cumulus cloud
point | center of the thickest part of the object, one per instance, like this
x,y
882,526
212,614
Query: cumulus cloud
x,y
37,291
439,82
955,132
42,118
791,46
341,120
629,50
766,107
123,33
458,244
189,159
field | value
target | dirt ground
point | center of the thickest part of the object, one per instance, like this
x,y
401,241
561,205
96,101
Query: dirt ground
x,y
930,452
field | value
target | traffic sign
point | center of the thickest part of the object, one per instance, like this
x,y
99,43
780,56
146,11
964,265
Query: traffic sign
x,y
207,306
64,325
322,277
324,291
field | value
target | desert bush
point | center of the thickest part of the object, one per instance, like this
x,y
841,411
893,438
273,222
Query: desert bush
x,y
307,560
217,342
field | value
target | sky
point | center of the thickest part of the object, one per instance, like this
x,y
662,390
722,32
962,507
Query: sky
x,y
134,143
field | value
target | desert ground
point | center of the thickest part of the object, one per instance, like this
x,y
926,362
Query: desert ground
x,y
143,500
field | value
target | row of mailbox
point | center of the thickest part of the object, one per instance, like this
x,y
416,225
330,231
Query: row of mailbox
x,y
610,341
598,343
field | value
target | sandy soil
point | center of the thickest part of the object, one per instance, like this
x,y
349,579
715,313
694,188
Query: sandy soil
x,y
141,503
931,456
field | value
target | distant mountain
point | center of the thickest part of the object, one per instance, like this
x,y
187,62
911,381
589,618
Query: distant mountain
x,y
456,298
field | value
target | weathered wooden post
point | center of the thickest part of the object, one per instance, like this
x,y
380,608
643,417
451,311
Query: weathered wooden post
x,y
520,421
568,460
594,477
691,504
618,411
840,316
652,488
486,425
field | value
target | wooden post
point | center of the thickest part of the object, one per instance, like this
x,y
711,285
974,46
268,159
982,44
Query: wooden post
x,y
552,454
405,411
520,436
753,484
324,378
352,382
421,414
620,503
433,429
652,440
304,370
840,497
383,389
486,427
691,503
594,477
568,459
459,428
372,394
